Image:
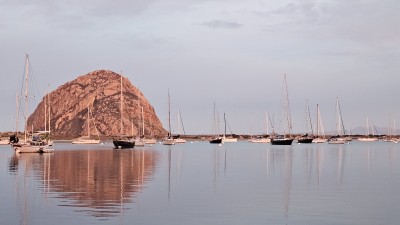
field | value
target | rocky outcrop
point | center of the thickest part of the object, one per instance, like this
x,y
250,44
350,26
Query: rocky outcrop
x,y
100,91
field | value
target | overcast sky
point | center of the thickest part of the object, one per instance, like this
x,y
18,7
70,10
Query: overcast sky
x,y
231,52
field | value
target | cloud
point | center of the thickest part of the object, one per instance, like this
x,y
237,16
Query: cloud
x,y
222,24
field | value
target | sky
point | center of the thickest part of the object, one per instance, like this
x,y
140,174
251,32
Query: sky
x,y
234,53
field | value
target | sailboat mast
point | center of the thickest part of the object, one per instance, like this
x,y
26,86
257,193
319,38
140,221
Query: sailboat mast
x,y
287,106
169,115
341,119
26,94
88,121
309,118
49,109
317,120
142,123
45,111
225,126
17,107
121,99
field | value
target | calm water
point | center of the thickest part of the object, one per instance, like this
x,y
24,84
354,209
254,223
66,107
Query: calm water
x,y
200,183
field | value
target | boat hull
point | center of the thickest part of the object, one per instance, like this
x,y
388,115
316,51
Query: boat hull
x,y
27,148
88,141
368,139
285,141
305,140
320,140
169,142
230,140
216,141
261,140
119,144
180,141
337,141
150,141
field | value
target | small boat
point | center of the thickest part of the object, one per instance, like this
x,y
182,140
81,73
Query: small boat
x,y
305,139
83,140
337,139
87,139
368,137
260,140
320,138
36,145
4,142
140,142
177,138
226,139
150,141
180,140
123,142
216,140
169,140
281,140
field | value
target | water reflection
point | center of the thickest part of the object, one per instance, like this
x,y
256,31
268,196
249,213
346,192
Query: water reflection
x,y
98,183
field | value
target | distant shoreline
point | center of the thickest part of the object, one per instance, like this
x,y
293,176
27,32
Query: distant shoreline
x,y
66,138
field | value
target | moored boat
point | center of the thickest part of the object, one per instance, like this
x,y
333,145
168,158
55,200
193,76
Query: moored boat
x,y
123,142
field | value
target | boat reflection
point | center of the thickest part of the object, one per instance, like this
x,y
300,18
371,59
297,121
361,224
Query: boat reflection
x,y
97,182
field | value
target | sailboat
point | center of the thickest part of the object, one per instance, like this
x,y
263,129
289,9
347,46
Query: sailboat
x,y
285,139
178,139
261,139
339,125
169,140
217,139
320,129
139,142
228,139
368,137
87,139
35,144
305,139
47,114
122,141
151,140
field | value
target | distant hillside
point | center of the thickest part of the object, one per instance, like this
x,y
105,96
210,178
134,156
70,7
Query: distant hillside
x,y
99,90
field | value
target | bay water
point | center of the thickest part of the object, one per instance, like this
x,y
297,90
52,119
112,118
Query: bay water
x,y
200,183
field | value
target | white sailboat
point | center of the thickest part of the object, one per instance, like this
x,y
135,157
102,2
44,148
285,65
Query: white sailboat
x,y
320,129
180,140
339,125
87,139
151,140
4,141
35,144
226,139
261,139
169,140
368,138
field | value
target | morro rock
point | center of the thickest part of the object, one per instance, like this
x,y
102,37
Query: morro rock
x,y
100,91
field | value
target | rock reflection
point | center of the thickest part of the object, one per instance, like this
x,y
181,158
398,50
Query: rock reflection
x,y
99,183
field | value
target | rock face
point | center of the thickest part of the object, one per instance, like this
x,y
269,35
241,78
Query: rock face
x,y
100,91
